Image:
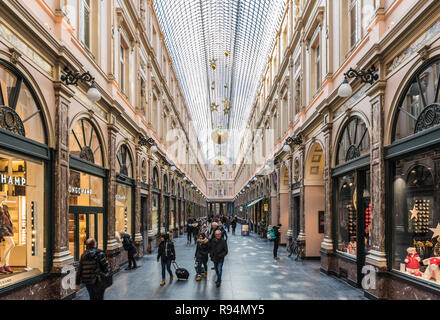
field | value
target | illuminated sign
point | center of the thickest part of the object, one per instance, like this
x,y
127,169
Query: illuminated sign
x,y
76,190
18,181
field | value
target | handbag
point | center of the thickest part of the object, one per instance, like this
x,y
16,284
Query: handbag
x,y
105,279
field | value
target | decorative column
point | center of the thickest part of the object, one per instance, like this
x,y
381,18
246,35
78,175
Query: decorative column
x,y
138,239
302,219
62,257
377,254
113,250
289,235
150,233
327,243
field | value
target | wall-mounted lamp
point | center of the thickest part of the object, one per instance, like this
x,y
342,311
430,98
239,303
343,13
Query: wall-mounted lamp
x,y
72,78
367,76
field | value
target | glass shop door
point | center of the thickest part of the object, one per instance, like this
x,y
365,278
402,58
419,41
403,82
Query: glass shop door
x,y
364,219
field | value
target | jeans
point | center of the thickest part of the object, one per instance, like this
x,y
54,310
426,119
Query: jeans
x,y
233,230
189,237
96,292
131,260
218,270
199,266
166,263
275,247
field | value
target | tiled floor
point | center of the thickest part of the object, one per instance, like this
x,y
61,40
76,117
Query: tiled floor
x,y
249,273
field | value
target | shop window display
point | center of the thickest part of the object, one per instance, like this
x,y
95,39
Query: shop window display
x,y
85,211
416,218
155,214
123,210
22,218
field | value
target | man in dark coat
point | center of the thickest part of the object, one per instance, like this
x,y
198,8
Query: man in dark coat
x,y
218,251
129,246
91,265
167,255
201,256
234,225
276,241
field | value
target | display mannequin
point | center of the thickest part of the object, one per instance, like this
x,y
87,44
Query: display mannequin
x,y
6,234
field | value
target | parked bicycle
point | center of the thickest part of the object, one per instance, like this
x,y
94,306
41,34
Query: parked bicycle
x,y
296,247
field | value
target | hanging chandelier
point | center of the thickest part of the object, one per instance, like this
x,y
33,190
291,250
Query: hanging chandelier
x,y
220,135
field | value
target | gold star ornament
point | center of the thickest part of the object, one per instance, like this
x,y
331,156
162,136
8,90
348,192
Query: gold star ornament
x,y
214,107
414,212
436,231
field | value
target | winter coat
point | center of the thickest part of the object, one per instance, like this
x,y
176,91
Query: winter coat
x,y
202,250
91,264
166,250
277,233
128,244
234,224
218,249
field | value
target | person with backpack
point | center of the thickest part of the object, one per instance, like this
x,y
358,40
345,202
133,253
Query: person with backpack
x,y
93,266
201,256
130,247
276,237
167,255
218,251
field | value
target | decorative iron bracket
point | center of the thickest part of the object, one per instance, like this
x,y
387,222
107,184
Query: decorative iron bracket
x,y
145,142
367,76
73,77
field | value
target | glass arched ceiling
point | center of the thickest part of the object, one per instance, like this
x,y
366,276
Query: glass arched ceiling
x,y
197,31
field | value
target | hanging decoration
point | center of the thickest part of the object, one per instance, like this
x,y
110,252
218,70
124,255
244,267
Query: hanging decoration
x,y
214,107
213,63
227,53
220,135
213,85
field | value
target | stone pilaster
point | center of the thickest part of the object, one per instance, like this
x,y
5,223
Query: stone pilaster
x,y
61,256
327,243
138,239
289,235
113,250
150,233
377,254
302,218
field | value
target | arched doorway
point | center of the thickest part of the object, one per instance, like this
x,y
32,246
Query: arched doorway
x,y
314,200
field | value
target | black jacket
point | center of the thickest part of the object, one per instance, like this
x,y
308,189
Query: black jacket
x,y
202,250
91,264
277,233
218,249
128,244
234,223
166,250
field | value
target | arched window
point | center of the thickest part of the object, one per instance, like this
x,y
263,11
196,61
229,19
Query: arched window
x,y
144,171
124,163
20,111
85,143
165,183
419,107
155,178
354,141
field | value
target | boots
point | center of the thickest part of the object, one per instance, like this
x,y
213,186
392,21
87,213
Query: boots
x,y
162,283
205,274
199,277
8,269
2,270
171,279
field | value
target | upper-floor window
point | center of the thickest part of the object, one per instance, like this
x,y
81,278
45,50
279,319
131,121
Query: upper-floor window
x,y
85,17
354,15
318,67
123,67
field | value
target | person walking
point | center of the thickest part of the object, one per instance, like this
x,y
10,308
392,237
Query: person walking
x,y
167,255
228,223
201,256
276,241
233,225
129,246
189,231
91,266
223,231
218,251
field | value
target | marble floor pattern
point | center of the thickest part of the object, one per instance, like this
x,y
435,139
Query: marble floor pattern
x,y
249,273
